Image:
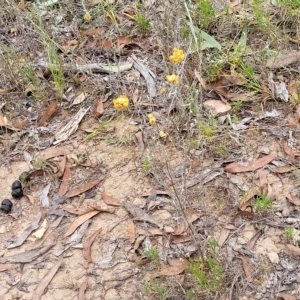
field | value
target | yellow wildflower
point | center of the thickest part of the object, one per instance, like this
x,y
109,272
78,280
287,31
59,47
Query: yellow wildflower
x,y
121,102
173,78
87,16
178,55
163,90
152,119
235,60
162,134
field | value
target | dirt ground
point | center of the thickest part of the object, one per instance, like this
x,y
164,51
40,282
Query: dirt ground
x,y
161,141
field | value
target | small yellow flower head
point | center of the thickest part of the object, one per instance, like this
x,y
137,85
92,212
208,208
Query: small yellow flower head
x,y
87,16
235,60
162,134
163,90
121,102
178,56
152,119
172,78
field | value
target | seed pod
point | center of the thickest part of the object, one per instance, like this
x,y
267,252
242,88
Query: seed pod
x,y
16,185
24,177
6,205
17,193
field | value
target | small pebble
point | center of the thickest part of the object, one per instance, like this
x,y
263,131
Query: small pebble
x,y
6,205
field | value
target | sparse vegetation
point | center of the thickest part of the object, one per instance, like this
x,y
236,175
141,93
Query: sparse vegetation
x,y
146,69
156,289
153,255
208,274
262,204
289,233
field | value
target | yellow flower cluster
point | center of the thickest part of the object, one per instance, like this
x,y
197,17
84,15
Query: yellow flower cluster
x,y
173,78
178,56
121,102
87,16
162,134
152,119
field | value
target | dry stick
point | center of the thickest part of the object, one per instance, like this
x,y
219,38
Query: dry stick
x,y
194,234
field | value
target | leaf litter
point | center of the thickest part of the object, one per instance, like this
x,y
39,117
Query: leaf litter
x,y
205,175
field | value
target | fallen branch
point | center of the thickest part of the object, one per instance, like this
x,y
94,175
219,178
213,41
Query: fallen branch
x,y
94,67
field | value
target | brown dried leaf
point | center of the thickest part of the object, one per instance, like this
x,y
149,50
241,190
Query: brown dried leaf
x,y
246,268
200,79
284,296
53,152
282,169
139,137
289,151
63,186
177,239
180,229
235,78
100,107
135,96
154,231
217,107
247,214
3,121
86,251
83,188
195,163
78,211
5,267
80,220
191,216
61,166
31,199
254,239
293,90
174,270
42,285
293,199
82,289
293,249
139,261
140,215
158,192
247,198
79,99
4,92
48,113
298,112
122,41
21,124
94,31
253,165
138,242
105,44
283,60
109,200
131,231
223,236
